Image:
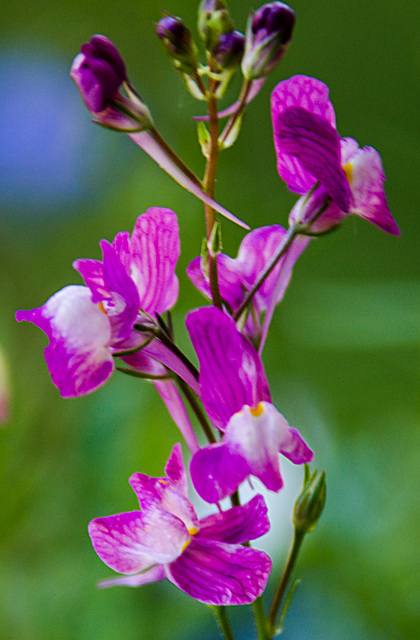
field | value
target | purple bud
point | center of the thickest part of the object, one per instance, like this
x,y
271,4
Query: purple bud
x,y
229,49
213,20
98,72
269,31
177,39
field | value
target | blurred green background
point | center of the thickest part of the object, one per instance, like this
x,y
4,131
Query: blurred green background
x,y
342,358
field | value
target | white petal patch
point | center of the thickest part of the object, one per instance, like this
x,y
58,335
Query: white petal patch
x,y
76,320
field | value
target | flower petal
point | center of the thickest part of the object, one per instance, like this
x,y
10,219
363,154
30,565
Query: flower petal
x,y
306,92
229,275
133,541
315,144
217,471
168,494
256,250
77,357
155,574
295,448
112,285
258,435
220,574
367,185
310,94
154,253
283,275
169,393
163,354
250,446
238,524
231,372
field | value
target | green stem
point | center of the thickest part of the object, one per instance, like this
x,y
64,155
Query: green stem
x,y
208,185
143,376
197,410
223,620
161,335
260,619
282,585
242,104
287,241
174,157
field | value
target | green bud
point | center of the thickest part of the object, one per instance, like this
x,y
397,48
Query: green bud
x,y
204,260
310,503
213,21
214,244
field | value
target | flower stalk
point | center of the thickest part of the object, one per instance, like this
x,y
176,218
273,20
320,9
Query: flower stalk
x,y
209,185
223,620
286,243
284,581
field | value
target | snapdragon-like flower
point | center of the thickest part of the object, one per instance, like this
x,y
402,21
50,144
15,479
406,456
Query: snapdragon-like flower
x,y
310,151
88,325
237,276
204,558
235,393
100,75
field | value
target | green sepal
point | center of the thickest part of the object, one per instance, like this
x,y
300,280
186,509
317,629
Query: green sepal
x,y
233,134
203,138
214,244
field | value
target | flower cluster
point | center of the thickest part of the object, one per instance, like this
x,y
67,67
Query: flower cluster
x,y
117,316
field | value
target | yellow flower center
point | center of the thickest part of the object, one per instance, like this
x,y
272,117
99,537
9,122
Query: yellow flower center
x,y
101,307
348,170
192,532
257,411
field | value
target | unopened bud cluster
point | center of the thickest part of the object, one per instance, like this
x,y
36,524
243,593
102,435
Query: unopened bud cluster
x,y
269,31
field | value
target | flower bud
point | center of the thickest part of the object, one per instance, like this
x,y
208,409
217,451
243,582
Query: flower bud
x,y
98,72
268,33
213,21
310,503
178,41
315,214
229,49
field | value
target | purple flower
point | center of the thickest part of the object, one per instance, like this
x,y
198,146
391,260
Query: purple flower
x,y
235,393
204,558
87,325
238,275
99,72
309,150
268,33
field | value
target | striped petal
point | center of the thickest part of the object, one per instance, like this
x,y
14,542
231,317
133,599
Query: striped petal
x,y
220,574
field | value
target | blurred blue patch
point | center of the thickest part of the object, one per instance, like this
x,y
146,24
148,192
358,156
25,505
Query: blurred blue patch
x,y
48,146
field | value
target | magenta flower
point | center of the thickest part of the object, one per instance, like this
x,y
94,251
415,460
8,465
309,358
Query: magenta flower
x,y
309,150
204,558
235,393
101,72
88,325
237,276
